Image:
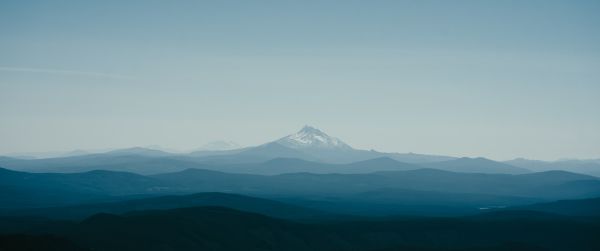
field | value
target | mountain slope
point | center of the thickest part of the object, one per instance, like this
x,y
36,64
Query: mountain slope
x,y
589,167
137,160
294,165
310,137
584,207
20,189
308,144
223,229
381,164
139,151
326,148
476,165
234,201
250,155
275,150
548,185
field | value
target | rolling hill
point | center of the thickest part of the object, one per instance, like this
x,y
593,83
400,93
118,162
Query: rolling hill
x,y
466,190
217,228
476,165
245,203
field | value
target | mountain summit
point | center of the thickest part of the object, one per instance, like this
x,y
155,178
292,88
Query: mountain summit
x,y
310,137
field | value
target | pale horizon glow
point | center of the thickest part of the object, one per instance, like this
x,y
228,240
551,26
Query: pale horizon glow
x,y
499,80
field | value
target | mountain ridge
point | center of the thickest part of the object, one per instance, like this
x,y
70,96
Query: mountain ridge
x,y
310,137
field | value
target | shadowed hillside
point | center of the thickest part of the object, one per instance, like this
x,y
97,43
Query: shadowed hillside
x,y
216,228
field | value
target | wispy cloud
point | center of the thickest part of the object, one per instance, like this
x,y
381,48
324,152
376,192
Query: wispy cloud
x,y
64,72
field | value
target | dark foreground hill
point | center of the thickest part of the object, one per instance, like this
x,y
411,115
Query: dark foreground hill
x,y
244,203
586,207
220,229
23,242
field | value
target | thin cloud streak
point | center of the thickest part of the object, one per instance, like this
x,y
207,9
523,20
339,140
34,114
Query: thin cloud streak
x,y
64,72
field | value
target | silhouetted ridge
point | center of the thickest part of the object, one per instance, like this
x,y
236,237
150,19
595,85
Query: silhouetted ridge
x,y
584,207
223,229
476,165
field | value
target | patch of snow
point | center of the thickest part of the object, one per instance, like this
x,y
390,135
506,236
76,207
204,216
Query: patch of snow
x,y
312,137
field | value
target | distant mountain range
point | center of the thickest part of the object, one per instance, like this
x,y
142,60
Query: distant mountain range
x,y
308,150
305,191
476,165
590,167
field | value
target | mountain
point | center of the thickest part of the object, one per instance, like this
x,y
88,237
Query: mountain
x,y
476,165
75,153
365,166
309,137
589,167
260,160
117,160
21,189
245,203
319,146
139,151
248,155
295,165
546,185
378,165
120,161
325,148
309,144
274,150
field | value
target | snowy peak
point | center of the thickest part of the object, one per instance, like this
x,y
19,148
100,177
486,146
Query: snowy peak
x,y
310,137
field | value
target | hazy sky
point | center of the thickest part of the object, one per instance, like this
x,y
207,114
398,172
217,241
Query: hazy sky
x,y
500,79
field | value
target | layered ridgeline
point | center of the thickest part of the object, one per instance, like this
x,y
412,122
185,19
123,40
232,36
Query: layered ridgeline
x,y
586,166
305,191
223,229
418,191
308,150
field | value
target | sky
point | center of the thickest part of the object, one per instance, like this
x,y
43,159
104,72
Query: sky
x,y
498,79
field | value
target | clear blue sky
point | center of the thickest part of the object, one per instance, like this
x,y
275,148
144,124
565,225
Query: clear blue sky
x,y
500,79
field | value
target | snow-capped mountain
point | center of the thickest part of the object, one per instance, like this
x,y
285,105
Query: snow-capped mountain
x,y
310,137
